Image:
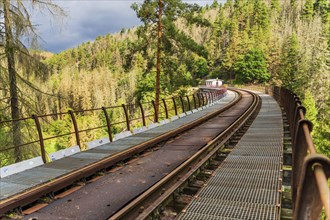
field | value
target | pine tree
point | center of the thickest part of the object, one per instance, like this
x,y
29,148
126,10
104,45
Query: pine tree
x,y
159,19
322,7
289,67
310,105
215,4
308,10
17,24
275,6
9,50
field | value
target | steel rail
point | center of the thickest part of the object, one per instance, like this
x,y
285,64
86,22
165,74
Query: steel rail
x,y
35,193
158,193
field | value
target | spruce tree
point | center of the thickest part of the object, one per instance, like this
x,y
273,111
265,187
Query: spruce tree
x,y
159,19
289,67
308,10
16,25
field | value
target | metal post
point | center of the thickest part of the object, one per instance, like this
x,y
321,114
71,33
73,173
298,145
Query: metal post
x,y
126,116
165,106
155,110
107,118
75,125
202,94
175,108
195,104
41,139
142,113
182,105
189,108
199,99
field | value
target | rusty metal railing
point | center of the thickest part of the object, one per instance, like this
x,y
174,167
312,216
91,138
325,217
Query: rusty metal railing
x,y
310,170
110,120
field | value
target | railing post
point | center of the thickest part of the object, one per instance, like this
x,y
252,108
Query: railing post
x,y
299,151
165,106
182,105
41,139
207,98
202,94
175,108
142,113
195,104
107,118
155,110
188,103
126,116
313,191
199,99
75,125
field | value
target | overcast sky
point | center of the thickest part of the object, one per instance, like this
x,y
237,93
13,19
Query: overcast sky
x,y
86,20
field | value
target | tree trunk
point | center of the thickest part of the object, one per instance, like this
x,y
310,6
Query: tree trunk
x,y
10,53
159,42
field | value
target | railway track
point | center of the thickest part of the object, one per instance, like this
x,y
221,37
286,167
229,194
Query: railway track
x,y
137,182
153,202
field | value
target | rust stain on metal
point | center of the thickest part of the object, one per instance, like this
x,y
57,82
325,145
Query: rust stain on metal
x,y
34,208
68,192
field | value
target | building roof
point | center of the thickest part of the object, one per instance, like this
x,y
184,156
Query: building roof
x,y
211,80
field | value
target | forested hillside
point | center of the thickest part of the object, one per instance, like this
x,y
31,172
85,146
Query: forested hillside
x,y
271,42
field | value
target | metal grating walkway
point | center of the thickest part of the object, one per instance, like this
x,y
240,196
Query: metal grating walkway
x,y
246,185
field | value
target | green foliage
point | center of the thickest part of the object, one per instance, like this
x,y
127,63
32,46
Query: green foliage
x,y
308,10
282,42
260,17
322,7
251,67
290,61
199,67
175,43
321,125
184,77
55,128
215,4
275,5
310,104
146,87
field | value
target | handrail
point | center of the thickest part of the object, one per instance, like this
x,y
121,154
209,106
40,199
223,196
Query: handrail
x,y
109,125
310,170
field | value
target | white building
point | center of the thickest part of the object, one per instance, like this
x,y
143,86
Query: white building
x,y
213,82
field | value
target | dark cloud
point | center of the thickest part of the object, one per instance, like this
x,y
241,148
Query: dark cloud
x,y
85,21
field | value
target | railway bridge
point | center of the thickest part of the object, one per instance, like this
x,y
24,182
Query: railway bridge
x,y
216,154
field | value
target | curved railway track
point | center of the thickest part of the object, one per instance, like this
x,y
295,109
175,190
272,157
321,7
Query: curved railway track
x,y
153,201
137,181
